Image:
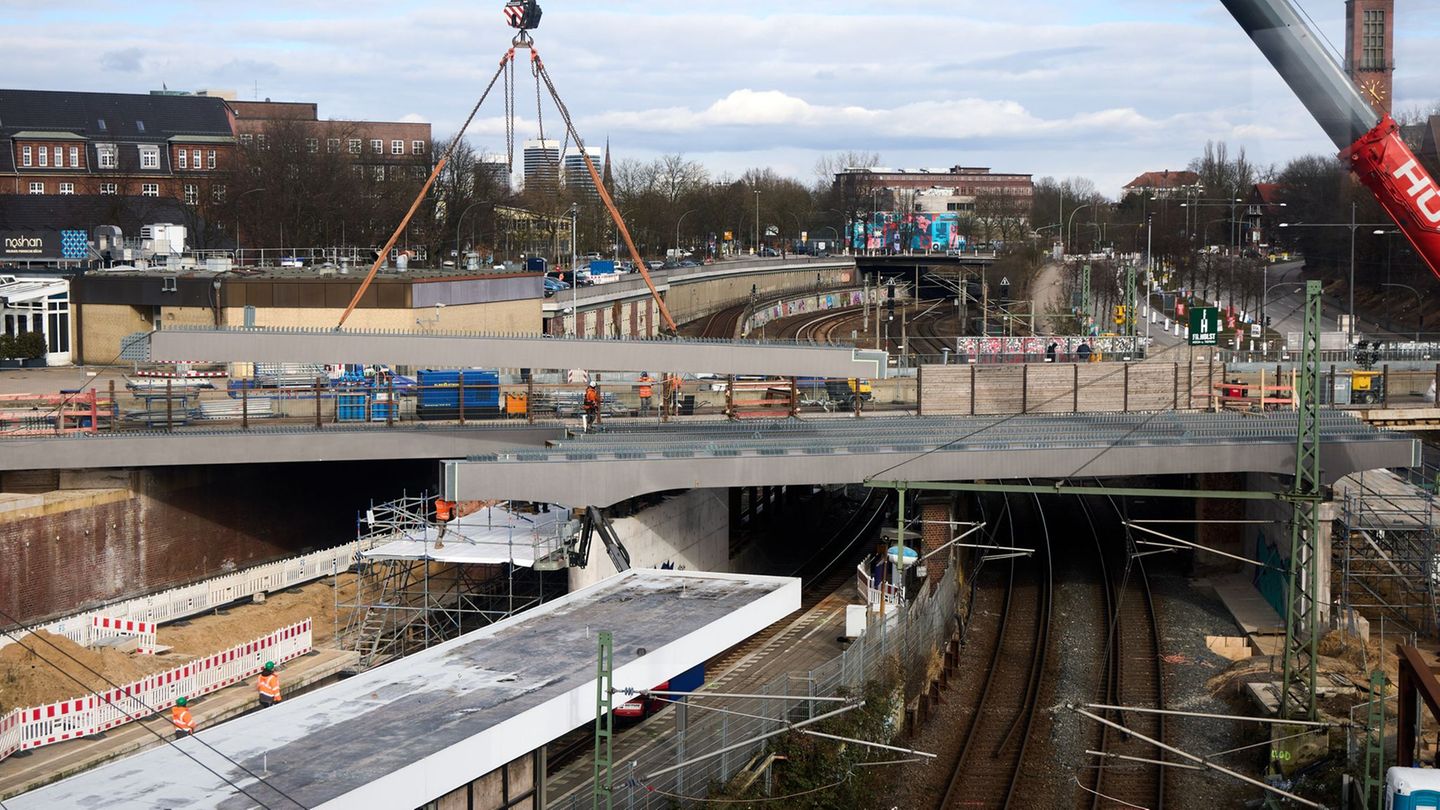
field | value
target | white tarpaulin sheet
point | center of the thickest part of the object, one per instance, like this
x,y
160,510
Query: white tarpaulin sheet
x,y
490,535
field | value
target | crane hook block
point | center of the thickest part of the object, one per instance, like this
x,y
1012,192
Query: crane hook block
x,y
523,14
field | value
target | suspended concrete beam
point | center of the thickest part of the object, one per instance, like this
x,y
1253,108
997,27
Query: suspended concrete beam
x,y
625,462
441,350
267,445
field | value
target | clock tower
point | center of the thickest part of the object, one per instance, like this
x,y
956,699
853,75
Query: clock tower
x,y
1370,49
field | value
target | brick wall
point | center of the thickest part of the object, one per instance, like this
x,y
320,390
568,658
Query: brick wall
x,y
179,525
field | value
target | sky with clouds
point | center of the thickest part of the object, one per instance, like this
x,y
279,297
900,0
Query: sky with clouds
x,y
1103,89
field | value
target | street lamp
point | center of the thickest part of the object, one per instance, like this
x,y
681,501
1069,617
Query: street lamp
x,y
1419,303
677,227
755,249
574,273
1069,224
1352,225
461,221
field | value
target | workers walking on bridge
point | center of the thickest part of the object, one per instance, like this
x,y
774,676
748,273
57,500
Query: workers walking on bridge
x,y
268,685
592,405
645,390
182,719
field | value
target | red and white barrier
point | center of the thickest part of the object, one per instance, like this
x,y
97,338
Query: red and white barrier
x,y
206,595
24,729
109,627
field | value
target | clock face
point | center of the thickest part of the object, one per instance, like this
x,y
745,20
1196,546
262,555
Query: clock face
x,y
1374,89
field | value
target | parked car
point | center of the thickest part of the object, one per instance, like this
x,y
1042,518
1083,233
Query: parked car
x,y
769,252
655,264
554,285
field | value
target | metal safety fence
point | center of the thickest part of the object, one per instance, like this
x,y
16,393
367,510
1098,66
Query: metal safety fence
x,y
188,600
707,744
26,728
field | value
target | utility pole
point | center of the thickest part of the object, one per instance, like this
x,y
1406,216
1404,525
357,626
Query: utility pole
x,y
1086,308
604,729
1130,296
1302,617
1149,278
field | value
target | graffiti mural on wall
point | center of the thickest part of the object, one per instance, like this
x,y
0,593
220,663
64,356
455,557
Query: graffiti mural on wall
x,y
885,230
1016,349
804,304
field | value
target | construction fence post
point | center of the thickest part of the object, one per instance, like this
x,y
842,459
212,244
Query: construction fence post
x,y
115,406
390,407
245,407
530,397
169,406
461,401
1074,387
1385,385
317,403
1125,394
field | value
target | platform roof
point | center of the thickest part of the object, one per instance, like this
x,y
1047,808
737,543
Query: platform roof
x,y
414,729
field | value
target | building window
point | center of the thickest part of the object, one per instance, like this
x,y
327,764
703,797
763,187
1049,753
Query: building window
x,y
67,188
59,157
184,156
109,188
44,156
261,142
1372,54
74,157
192,194
397,147
26,156
149,189
354,146
332,145
312,145
195,156
379,173
377,146
149,157
37,188
217,192
245,138
417,147
210,159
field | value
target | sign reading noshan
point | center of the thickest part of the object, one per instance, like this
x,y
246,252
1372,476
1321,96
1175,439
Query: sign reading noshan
x,y
1204,326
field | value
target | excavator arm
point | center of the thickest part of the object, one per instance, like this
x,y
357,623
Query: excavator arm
x,y
1368,141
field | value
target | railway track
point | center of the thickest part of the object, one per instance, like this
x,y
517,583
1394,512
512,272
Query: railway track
x,y
992,757
827,570
1133,677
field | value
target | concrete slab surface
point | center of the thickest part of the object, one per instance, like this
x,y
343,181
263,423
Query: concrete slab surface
x,y
412,730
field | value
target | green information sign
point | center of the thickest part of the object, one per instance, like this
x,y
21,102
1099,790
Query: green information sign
x,y
1204,326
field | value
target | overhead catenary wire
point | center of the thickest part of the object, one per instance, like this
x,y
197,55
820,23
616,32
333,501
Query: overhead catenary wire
x,y
152,710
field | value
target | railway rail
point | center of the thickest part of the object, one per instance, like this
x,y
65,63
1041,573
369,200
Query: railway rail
x,y
992,758
1134,676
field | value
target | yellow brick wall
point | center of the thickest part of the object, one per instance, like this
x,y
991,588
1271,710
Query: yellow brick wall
x,y
102,326
505,316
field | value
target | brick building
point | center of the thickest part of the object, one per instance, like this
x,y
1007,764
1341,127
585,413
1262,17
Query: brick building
x,y
388,149
1165,183
116,144
1370,50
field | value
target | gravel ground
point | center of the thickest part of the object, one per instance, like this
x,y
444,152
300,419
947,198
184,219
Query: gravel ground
x,y
1189,612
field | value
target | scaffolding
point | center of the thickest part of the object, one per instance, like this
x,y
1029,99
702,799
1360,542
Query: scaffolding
x,y
419,582
1384,550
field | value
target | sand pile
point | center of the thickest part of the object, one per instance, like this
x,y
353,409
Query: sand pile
x,y
208,633
43,668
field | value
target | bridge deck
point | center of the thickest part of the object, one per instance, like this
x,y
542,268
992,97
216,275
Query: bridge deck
x,y
410,731
633,460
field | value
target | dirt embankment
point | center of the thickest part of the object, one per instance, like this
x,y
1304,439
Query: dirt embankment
x,y
44,668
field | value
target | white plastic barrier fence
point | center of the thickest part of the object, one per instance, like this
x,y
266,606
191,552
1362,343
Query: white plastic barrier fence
x,y
109,627
188,600
23,729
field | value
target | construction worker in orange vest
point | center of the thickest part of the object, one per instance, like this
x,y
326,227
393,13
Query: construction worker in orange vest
x,y
444,510
181,718
645,391
268,685
591,406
